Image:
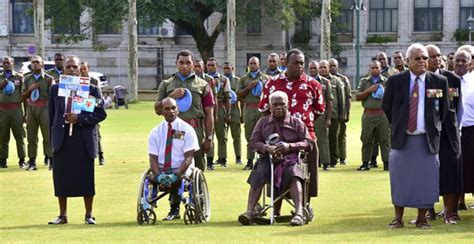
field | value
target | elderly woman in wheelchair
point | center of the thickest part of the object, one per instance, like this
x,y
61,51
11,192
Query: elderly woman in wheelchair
x,y
279,138
171,149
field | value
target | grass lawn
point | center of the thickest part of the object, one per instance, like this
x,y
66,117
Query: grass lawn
x,y
352,206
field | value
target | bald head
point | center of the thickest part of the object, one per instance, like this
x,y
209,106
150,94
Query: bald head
x,y
324,68
254,64
169,101
333,66
382,58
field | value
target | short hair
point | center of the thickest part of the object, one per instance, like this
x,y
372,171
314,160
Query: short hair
x,y
313,62
275,55
463,51
468,48
293,51
168,99
9,58
375,62
381,53
184,53
278,94
323,61
212,59
398,52
431,46
85,63
415,46
333,60
37,57
254,57
227,63
59,55
73,57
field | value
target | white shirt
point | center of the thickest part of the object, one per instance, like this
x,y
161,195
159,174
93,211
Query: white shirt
x,y
184,140
420,120
467,103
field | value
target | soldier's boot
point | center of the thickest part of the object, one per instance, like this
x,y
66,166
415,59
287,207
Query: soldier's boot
x,y
222,162
373,162
210,165
342,161
325,167
47,160
249,165
31,164
238,160
21,163
101,158
385,166
3,163
364,167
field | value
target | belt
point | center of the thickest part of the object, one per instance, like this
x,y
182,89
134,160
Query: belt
x,y
375,111
9,106
38,103
195,123
251,105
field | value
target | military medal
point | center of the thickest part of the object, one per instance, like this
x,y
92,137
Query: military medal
x,y
415,94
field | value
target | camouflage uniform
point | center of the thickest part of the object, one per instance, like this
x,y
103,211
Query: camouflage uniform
x,y
220,127
341,140
319,128
337,92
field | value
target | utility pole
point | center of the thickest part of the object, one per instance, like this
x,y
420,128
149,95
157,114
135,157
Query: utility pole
x,y
132,50
38,6
326,30
231,31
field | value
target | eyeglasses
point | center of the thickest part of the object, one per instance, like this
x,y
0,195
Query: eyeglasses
x,y
72,67
422,57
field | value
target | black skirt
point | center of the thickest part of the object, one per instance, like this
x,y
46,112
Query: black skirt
x,y
450,169
467,147
73,168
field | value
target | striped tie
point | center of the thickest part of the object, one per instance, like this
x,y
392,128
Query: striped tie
x,y
413,112
169,143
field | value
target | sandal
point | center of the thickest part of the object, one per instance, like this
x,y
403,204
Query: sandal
x,y
58,220
297,220
423,224
246,218
396,224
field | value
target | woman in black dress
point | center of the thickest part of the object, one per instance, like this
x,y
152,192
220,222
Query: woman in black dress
x,y
73,154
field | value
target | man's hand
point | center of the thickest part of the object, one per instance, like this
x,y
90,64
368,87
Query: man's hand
x,y
373,88
227,118
252,84
33,86
177,93
327,122
206,145
271,150
70,118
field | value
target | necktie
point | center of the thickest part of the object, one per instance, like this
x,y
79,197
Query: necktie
x,y
413,110
169,143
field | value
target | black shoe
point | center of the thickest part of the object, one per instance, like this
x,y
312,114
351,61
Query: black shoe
x,y
374,165
210,167
363,167
385,166
3,163
325,167
332,165
238,160
248,167
31,166
172,216
101,160
342,161
89,220
47,160
21,163
60,220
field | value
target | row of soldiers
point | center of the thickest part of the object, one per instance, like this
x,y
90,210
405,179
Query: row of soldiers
x,y
26,102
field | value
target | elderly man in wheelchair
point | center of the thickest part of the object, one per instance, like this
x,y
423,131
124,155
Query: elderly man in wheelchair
x,y
278,138
171,148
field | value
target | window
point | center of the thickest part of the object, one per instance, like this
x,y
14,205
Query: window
x,y
254,18
344,20
22,11
383,16
466,10
111,28
428,15
145,27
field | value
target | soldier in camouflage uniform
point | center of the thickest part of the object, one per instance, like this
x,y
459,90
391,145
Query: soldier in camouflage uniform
x,y
199,72
399,61
222,88
337,92
11,114
58,67
84,69
200,115
272,62
341,140
323,122
375,125
236,118
250,111
37,111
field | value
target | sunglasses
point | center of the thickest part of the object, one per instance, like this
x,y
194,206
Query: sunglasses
x,y
420,58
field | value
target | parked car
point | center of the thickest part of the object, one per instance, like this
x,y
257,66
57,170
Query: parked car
x,y
26,68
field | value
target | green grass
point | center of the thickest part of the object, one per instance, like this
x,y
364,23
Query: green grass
x,y
352,206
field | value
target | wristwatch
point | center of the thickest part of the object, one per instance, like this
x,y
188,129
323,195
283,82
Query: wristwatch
x,y
210,137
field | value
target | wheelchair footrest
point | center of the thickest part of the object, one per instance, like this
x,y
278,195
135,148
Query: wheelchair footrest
x,y
283,218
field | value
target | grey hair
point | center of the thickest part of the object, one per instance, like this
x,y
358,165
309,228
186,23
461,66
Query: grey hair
x,y
279,94
463,51
431,46
468,48
9,58
73,57
333,60
415,46
314,62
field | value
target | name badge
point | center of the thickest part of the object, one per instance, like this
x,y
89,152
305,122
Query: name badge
x,y
177,134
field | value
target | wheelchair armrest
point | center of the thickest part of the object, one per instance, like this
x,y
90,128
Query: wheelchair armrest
x,y
302,157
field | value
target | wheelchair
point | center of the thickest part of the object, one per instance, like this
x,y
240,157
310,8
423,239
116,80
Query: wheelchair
x,y
194,195
262,208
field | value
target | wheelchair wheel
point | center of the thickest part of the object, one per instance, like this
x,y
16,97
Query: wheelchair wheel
x,y
306,215
146,191
310,216
190,216
146,216
200,195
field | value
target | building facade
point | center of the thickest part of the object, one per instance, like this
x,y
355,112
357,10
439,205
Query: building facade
x,y
385,25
